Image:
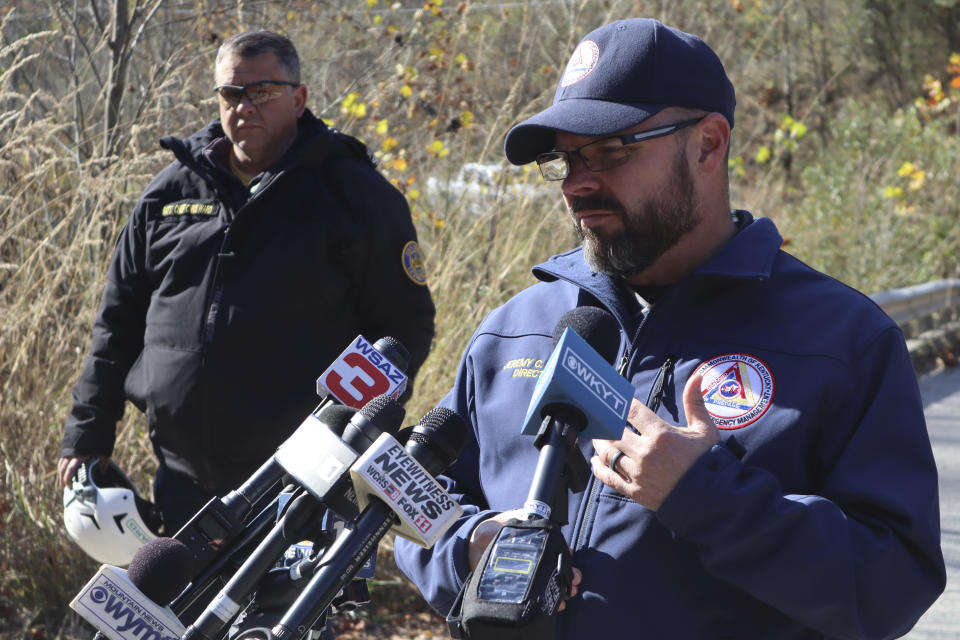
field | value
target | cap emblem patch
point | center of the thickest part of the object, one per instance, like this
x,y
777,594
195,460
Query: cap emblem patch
x,y
736,388
582,62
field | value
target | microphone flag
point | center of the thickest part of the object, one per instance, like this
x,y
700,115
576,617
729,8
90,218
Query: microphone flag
x,y
360,374
114,605
388,472
576,374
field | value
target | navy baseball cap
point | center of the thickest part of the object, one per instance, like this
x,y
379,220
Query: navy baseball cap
x,y
620,75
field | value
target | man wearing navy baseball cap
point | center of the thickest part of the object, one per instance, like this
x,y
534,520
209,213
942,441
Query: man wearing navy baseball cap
x,y
775,478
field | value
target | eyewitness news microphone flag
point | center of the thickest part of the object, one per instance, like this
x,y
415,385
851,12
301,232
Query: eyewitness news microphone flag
x,y
577,374
386,471
360,374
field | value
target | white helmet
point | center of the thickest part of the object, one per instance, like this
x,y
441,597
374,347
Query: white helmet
x,y
106,516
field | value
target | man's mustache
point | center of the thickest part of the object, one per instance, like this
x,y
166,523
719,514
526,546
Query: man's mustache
x,y
595,202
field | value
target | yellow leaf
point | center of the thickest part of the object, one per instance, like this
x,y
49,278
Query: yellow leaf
x,y
382,127
372,3
406,91
413,194
763,155
905,169
390,144
466,118
893,192
400,164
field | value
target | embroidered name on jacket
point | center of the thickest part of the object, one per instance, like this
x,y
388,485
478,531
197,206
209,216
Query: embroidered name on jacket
x,y
189,208
524,367
737,389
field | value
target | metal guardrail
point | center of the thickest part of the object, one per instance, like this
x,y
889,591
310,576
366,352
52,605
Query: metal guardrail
x,y
929,315
910,305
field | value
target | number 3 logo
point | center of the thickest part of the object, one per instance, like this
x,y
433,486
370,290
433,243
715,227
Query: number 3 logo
x,y
367,382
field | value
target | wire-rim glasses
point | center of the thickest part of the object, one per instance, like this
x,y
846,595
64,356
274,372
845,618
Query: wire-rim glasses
x,y
256,92
602,154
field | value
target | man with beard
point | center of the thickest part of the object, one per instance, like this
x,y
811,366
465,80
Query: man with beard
x,y
774,478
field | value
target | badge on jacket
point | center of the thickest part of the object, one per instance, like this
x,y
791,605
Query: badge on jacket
x,y
737,389
412,261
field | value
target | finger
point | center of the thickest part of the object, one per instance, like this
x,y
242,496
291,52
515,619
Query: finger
x,y
609,477
577,577
68,469
693,405
639,413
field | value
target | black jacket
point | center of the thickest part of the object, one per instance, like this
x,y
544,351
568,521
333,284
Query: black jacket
x,y
221,310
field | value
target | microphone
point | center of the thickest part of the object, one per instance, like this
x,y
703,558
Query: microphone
x,y
525,573
359,370
191,603
126,604
397,488
382,415
577,372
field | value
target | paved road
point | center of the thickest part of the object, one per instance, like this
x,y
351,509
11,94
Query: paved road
x,y
941,399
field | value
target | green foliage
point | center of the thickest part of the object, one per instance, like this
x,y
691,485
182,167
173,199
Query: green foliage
x,y
846,134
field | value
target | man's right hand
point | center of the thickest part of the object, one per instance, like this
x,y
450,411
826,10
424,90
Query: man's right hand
x,y
67,467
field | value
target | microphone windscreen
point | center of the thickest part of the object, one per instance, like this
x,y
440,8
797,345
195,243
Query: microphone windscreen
x,y
596,326
437,440
394,351
385,413
336,417
161,569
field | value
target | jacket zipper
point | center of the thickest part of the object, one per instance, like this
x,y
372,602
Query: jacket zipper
x,y
654,399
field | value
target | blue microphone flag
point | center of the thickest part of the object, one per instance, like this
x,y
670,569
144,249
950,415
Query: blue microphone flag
x,y
577,375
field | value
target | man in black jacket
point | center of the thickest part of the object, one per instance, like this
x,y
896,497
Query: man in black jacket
x,y
249,263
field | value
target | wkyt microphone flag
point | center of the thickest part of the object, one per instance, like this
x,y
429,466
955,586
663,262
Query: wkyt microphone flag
x,y
577,375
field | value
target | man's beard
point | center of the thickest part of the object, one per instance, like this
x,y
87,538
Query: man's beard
x,y
648,231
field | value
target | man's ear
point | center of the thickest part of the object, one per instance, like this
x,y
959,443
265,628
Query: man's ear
x,y
713,140
300,99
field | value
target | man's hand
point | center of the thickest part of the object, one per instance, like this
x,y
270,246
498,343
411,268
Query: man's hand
x,y
67,467
652,463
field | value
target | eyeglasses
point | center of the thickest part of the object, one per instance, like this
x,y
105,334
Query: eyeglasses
x,y
256,92
602,154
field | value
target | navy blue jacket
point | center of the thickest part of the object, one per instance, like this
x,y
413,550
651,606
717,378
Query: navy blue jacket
x,y
816,517
223,305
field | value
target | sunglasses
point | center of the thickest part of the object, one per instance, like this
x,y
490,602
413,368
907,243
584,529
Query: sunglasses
x,y
256,92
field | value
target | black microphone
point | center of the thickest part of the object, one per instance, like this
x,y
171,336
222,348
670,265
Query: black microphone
x,y
560,465
133,604
161,569
383,414
498,601
212,577
413,501
221,519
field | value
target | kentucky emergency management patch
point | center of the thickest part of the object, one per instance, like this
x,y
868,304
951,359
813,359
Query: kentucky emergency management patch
x,y
413,263
737,389
582,62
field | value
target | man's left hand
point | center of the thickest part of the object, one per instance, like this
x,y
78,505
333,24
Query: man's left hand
x,y
655,458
